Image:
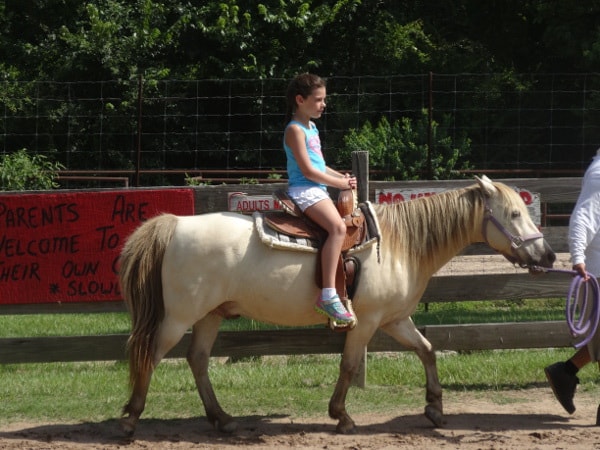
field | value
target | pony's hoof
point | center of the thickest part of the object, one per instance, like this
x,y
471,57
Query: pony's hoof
x,y
435,415
346,427
127,426
228,426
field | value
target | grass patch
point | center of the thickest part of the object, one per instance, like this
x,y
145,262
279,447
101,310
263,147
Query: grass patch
x,y
40,325
502,311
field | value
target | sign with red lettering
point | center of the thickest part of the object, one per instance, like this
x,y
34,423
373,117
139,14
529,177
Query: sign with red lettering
x,y
240,202
64,247
389,196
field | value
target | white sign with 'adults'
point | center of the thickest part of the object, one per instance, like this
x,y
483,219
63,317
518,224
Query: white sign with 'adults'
x,y
244,203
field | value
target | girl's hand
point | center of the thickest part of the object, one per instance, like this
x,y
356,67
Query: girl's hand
x,y
351,180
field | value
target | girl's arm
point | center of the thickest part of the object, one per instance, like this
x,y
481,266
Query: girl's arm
x,y
335,173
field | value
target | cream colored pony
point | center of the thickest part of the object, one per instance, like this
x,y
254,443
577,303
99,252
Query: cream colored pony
x,y
182,272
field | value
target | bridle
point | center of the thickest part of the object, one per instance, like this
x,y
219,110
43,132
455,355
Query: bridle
x,y
516,242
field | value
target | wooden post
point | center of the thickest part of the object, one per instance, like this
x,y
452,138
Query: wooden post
x,y
360,168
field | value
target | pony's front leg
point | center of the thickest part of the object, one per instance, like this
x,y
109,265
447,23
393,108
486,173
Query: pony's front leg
x,y
204,334
354,349
405,332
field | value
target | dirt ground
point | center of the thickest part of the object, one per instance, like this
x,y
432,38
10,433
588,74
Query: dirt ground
x,y
526,419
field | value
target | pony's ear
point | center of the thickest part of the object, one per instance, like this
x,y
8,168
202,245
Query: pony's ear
x,y
486,185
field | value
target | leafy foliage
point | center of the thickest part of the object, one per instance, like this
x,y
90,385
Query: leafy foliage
x,y
118,42
118,39
400,149
21,172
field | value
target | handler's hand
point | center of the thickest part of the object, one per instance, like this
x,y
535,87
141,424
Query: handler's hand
x,y
580,269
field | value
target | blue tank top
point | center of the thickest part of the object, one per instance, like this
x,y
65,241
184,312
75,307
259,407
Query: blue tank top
x,y
313,146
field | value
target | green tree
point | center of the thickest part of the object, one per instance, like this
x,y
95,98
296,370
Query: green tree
x,y
21,172
400,149
117,40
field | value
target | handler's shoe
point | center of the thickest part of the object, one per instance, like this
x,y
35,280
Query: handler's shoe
x,y
334,309
563,385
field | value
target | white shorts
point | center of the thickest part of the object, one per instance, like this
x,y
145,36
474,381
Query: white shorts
x,y
306,196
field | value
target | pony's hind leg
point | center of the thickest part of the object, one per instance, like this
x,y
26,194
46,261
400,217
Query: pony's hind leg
x,y
169,334
204,334
405,332
135,406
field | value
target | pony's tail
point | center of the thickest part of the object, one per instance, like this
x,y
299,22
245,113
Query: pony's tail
x,y
141,285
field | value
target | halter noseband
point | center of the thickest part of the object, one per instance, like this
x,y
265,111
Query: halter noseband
x,y
516,242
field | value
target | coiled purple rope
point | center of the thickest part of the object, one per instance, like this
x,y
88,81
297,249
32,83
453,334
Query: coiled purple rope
x,y
581,309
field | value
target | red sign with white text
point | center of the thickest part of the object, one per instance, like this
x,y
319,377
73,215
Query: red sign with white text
x,y
64,247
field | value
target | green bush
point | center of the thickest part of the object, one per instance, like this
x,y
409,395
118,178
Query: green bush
x,y
21,172
400,149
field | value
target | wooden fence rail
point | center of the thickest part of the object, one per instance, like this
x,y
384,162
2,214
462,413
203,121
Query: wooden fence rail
x,y
444,287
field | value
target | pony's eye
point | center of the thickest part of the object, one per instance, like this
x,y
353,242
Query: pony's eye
x,y
515,214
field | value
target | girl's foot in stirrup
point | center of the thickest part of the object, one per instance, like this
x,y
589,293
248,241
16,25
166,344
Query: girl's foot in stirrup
x,y
334,309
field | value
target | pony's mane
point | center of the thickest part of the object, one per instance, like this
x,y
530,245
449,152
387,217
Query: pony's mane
x,y
430,228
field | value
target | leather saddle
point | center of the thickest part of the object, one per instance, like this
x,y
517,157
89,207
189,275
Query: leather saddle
x,y
294,223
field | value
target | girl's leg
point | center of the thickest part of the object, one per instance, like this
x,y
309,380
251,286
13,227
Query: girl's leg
x,y
325,214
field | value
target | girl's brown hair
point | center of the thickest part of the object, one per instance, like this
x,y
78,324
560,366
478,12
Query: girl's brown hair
x,y
303,85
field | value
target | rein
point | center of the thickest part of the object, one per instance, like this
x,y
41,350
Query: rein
x,y
583,316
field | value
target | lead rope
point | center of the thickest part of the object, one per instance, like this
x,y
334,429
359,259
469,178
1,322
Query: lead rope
x,y
582,307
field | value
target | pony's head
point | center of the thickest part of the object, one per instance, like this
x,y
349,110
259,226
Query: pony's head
x,y
508,228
